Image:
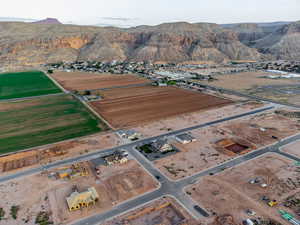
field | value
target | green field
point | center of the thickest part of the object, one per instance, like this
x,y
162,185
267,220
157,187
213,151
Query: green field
x,y
36,122
25,84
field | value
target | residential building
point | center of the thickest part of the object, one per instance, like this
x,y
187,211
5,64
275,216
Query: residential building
x,y
84,199
116,158
185,138
161,145
129,134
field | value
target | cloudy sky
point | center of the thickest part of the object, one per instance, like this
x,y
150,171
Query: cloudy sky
x,y
151,12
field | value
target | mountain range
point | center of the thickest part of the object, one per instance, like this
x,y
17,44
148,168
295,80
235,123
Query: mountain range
x,y
43,42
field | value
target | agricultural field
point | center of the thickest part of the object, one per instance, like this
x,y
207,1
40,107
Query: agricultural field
x,y
25,84
250,186
126,107
90,81
35,122
57,151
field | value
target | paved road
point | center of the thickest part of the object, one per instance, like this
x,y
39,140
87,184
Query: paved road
x,y
175,188
102,152
237,93
167,186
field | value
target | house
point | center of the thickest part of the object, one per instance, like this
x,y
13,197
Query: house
x,y
84,199
129,134
185,138
161,145
162,84
116,158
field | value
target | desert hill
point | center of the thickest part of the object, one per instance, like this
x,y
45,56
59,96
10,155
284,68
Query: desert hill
x,y
37,43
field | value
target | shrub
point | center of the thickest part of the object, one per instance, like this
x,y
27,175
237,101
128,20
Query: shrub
x,y
43,218
2,213
14,211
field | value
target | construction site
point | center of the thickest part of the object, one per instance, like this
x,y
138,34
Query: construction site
x,y
220,143
162,211
254,190
73,191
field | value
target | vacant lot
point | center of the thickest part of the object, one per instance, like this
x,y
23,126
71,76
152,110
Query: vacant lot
x,y
25,84
90,81
231,193
136,106
252,132
162,211
246,80
292,148
42,121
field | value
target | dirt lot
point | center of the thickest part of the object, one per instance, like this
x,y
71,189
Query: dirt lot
x,y
292,148
89,81
191,119
156,103
279,93
231,192
246,80
116,184
60,151
162,211
252,132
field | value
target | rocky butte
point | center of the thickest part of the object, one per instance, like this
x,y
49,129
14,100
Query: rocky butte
x,y
46,41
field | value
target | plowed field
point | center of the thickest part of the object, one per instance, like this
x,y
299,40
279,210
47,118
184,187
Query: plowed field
x,y
131,106
90,81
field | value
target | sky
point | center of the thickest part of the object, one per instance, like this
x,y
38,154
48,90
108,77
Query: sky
x,y
126,13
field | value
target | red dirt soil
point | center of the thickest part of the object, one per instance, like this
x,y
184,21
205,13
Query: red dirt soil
x,y
155,103
88,81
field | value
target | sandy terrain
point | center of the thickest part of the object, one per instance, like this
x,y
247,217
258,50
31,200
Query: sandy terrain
x,y
193,157
89,81
246,80
65,149
263,129
253,132
162,211
116,184
292,148
231,193
165,102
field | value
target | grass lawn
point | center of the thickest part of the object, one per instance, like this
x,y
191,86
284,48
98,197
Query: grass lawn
x,y
49,119
25,84
146,148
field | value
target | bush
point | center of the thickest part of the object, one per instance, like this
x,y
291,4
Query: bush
x,y
14,211
2,213
43,218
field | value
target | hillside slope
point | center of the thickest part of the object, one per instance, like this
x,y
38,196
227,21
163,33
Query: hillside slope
x,y
32,44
